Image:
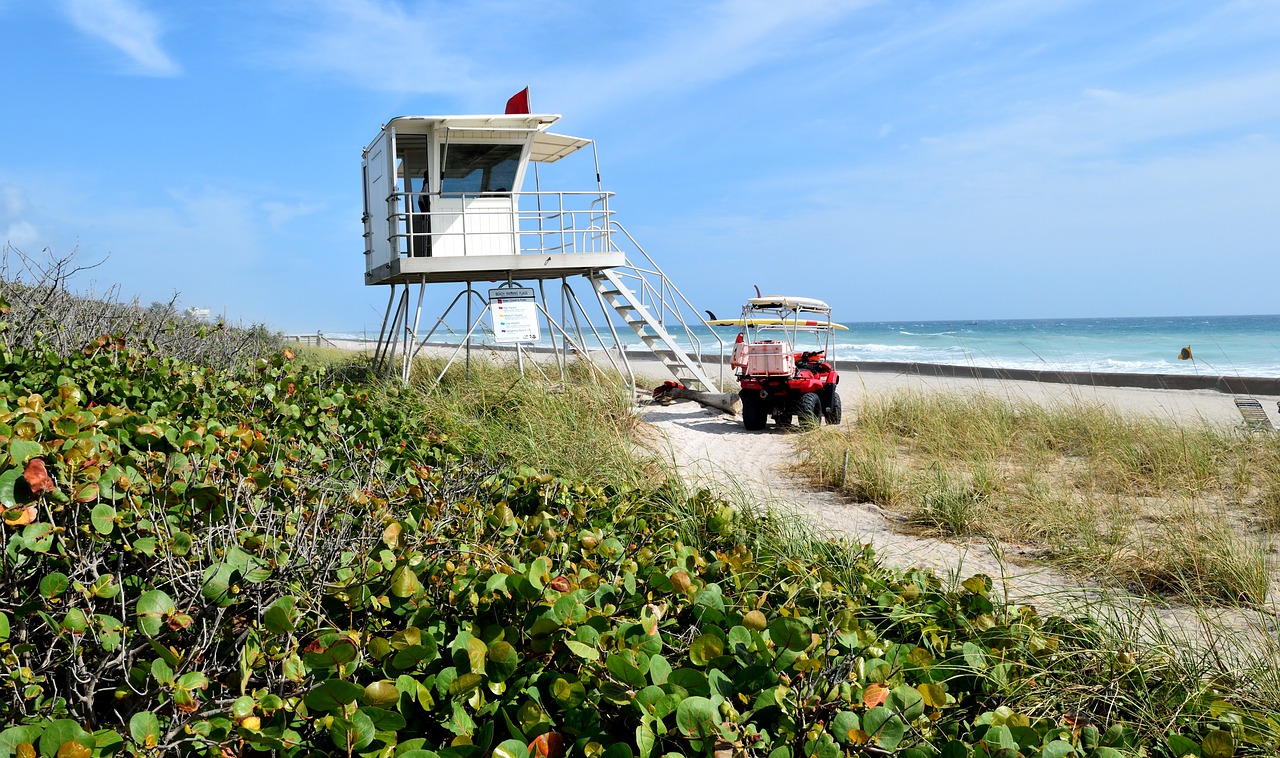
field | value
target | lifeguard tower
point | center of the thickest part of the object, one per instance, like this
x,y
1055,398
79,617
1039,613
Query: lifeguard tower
x,y
444,204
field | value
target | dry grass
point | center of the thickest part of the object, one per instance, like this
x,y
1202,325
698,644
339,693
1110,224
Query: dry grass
x,y
1176,509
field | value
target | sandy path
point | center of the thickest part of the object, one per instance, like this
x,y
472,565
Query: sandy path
x,y
712,449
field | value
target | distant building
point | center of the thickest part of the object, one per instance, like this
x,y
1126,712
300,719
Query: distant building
x,y
200,314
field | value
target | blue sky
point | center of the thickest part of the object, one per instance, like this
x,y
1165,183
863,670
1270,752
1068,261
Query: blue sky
x,y
902,160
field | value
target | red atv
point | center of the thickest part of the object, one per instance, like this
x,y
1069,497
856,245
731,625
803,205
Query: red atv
x,y
776,379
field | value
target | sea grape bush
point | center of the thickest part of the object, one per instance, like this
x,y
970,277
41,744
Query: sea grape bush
x,y
205,562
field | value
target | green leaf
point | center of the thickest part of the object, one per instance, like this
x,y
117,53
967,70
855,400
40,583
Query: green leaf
x,y
153,608
217,584
697,717
337,652
974,656
145,729
383,720
659,669
477,654
352,734
568,693
38,537
503,661
54,584
279,618
886,728
162,671
844,723
21,451
385,693
415,655
332,695
75,621
1061,749
465,683
1218,744
7,481
193,680
57,733
582,651
999,737
405,583
103,518
627,667
706,648
511,749
1180,746
4,627
14,736
790,633
242,706
692,680
907,701
105,587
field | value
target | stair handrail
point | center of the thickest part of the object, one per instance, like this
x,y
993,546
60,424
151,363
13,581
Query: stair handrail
x,y
660,298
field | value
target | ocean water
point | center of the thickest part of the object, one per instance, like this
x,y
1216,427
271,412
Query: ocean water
x,y
1220,345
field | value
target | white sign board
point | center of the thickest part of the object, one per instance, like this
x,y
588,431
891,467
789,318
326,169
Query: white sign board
x,y
515,315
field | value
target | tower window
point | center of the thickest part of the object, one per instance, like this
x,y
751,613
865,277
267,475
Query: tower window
x,y
472,168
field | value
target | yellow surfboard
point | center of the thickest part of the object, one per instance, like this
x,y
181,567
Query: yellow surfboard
x,y
774,322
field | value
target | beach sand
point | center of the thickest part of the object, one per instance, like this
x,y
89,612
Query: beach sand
x,y
712,448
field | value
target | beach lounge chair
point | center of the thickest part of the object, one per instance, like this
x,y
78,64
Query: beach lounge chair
x,y
1255,417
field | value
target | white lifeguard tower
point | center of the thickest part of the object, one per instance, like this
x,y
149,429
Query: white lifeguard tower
x,y
444,203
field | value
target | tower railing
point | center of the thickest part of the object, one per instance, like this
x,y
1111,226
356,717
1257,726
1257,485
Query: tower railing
x,y
663,298
476,223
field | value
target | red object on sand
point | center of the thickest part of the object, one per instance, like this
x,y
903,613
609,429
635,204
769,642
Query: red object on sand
x,y
519,102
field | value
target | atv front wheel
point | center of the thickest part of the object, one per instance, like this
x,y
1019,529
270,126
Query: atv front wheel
x,y
833,412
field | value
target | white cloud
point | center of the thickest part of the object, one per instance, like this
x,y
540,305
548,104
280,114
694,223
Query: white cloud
x,y
21,234
1102,94
280,214
1102,123
126,27
13,201
386,45
375,44
19,231
712,43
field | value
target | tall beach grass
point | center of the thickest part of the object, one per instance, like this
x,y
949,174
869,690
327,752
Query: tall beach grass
x,y
1182,509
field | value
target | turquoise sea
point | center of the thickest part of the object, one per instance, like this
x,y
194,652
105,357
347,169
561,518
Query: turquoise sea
x,y
1246,346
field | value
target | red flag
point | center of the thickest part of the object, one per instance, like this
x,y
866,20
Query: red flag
x,y
519,102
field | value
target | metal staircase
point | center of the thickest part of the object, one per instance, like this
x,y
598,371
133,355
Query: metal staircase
x,y
646,300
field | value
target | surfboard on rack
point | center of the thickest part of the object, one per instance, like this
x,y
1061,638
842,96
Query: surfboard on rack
x,y
740,322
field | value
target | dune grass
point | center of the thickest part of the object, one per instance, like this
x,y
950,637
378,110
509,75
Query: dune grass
x,y
1176,509
583,430
321,356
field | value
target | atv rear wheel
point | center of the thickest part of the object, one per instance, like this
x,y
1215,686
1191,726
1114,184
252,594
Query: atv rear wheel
x,y
809,410
833,412
754,413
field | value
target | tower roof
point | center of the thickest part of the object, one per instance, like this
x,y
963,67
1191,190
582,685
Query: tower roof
x,y
547,146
